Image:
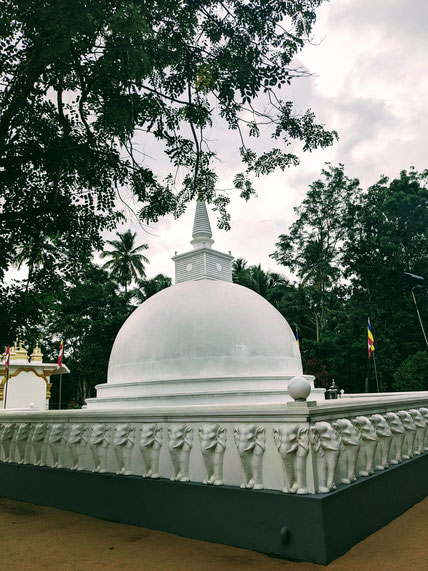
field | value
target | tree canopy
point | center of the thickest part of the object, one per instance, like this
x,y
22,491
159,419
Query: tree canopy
x,y
79,80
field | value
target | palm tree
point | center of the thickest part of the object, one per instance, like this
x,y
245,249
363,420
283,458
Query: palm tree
x,y
127,261
147,288
34,253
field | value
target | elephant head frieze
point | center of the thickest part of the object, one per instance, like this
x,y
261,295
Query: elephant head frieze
x,y
397,431
250,441
151,436
124,439
37,440
384,435
421,428
57,436
409,434
292,442
99,441
213,438
350,446
180,442
77,442
22,433
424,413
326,443
7,435
369,441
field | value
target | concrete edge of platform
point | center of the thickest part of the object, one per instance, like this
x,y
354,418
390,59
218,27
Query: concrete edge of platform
x,y
316,528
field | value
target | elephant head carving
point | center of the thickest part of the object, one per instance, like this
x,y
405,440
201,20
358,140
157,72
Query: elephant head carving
x,y
180,442
56,439
6,439
99,441
424,413
151,436
250,441
292,442
37,440
22,434
369,441
409,433
124,438
100,435
77,434
397,430
77,443
421,428
381,426
213,438
350,444
384,435
326,443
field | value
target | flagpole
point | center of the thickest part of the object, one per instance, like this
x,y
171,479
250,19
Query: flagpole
x,y
60,387
5,389
375,372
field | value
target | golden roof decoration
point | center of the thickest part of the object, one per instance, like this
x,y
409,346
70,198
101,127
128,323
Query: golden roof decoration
x,y
21,352
36,355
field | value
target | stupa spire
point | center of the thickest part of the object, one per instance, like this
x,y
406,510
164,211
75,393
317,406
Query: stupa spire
x,y
202,235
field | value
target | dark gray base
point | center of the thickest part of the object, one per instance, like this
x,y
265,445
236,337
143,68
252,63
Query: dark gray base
x,y
303,528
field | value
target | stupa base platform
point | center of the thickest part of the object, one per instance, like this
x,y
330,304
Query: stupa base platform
x,y
316,528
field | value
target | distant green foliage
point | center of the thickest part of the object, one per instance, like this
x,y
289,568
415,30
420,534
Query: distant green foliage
x,y
412,374
349,249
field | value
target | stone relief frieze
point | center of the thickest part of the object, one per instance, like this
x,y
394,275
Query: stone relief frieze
x,y
424,413
350,447
250,441
369,441
397,430
57,436
7,434
22,434
77,442
124,439
151,437
421,428
99,442
409,434
292,442
326,445
180,442
213,438
384,435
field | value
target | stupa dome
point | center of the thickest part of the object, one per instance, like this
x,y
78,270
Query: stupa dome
x,y
203,341
204,329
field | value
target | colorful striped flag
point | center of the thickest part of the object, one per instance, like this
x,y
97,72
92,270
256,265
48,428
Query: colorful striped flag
x,y
61,352
7,360
370,339
297,338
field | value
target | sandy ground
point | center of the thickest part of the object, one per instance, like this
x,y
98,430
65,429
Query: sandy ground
x,y
34,537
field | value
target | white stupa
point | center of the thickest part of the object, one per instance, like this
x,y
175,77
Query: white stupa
x,y
203,341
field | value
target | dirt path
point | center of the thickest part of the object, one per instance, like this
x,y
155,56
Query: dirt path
x,y
34,537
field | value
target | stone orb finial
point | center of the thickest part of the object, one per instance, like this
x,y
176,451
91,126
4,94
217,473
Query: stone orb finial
x,y
299,389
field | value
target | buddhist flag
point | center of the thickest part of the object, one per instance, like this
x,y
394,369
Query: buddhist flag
x,y
61,352
297,338
7,360
370,339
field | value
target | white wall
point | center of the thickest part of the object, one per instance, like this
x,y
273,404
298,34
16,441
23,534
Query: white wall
x,y
24,389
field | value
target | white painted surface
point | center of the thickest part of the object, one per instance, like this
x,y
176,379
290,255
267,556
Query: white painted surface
x,y
24,389
203,341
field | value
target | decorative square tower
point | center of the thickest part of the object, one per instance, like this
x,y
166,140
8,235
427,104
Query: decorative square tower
x,y
202,262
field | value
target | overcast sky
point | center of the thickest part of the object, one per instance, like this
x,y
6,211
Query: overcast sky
x,y
370,83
